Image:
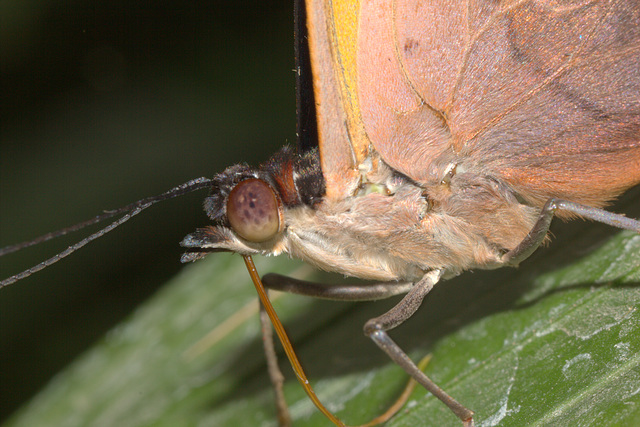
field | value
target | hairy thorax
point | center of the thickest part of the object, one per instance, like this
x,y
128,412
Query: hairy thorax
x,y
396,229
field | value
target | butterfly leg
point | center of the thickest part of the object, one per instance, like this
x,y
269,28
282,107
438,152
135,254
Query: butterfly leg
x,y
358,292
275,374
539,231
377,328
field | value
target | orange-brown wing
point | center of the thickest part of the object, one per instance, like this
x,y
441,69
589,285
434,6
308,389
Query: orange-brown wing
x,y
569,123
542,95
333,80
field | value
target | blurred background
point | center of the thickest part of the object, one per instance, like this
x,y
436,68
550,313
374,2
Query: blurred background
x,y
104,103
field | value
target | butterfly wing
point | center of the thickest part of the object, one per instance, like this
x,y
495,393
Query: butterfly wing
x,y
541,96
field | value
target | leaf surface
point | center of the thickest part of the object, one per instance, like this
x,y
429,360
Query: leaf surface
x,y
555,342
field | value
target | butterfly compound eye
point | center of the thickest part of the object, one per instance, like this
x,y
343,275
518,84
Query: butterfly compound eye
x,y
253,210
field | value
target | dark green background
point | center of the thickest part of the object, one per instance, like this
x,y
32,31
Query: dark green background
x,y
106,102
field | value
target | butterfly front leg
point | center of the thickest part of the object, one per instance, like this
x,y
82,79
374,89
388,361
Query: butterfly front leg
x,y
357,292
275,374
377,328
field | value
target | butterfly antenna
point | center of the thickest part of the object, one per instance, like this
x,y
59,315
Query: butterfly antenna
x,y
129,212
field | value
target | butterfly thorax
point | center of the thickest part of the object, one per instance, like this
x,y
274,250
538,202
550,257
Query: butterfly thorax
x,y
391,228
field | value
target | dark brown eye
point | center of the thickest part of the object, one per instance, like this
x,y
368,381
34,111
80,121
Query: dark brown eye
x,y
253,211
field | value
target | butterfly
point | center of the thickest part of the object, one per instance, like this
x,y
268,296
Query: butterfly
x,y
384,173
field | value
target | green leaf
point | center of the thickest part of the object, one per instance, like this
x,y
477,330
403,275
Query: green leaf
x,y
555,342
